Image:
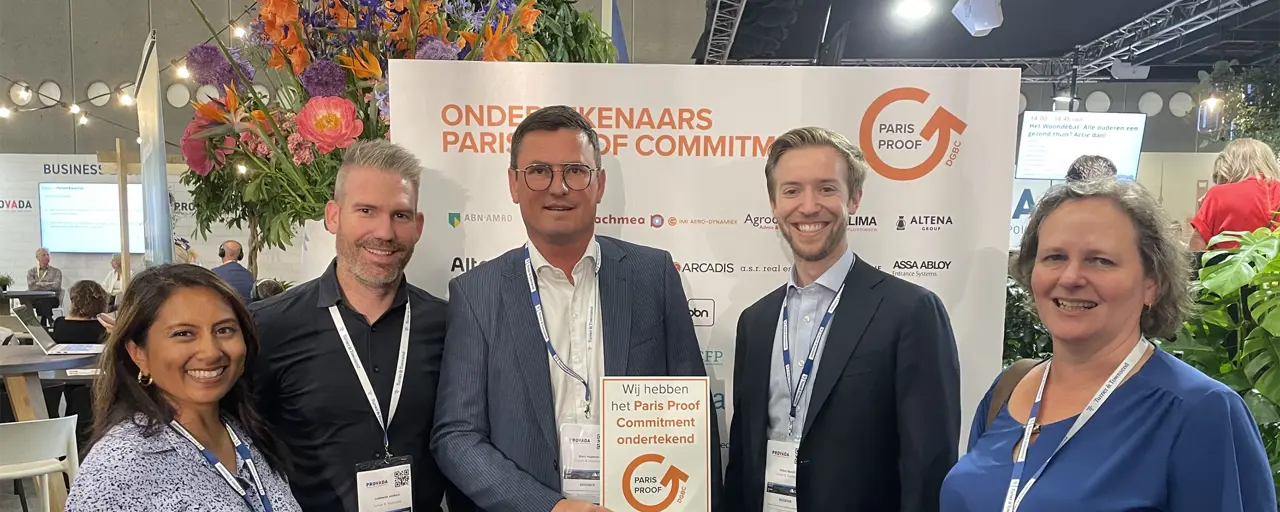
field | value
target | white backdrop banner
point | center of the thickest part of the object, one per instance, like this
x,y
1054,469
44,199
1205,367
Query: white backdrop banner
x,y
685,148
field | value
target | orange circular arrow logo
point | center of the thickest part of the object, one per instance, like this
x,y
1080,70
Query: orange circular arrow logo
x,y
939,127
672,479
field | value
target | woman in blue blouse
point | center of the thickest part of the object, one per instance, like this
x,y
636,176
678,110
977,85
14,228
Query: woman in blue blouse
x,y
1143,431
174,427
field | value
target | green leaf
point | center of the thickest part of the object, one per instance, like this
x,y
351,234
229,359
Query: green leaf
x,y
1264,410
1236,381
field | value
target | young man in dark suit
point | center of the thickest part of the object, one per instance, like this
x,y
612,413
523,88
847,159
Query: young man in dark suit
x,y
846,392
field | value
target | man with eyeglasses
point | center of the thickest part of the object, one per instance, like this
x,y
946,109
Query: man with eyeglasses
x,y
532,332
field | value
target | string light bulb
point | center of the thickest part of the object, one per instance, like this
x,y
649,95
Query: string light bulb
x,y
139,140
125,99
4,112
242,168
238,31
75,109
84,119
183,72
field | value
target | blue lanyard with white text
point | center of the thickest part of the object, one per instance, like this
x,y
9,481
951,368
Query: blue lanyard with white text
x,y
807,370
1013,498
546,337
243,451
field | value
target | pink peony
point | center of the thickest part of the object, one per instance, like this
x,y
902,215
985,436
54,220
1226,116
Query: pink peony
x,y
196,152
330,122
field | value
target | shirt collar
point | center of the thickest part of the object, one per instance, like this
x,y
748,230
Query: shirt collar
x,y
832,278
592,255
330,292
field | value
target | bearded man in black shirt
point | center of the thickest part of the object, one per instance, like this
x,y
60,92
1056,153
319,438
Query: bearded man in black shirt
x,y
350,361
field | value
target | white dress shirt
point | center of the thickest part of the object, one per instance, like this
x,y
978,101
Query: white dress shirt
x,y
568,309
807,305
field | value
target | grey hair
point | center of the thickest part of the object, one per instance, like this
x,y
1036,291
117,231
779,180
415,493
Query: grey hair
x,y
1245,158
1164,259
809,136
40,250
381,155
1091,167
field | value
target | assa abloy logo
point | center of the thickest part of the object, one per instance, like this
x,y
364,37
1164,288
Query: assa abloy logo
x,y
703,312
73,169
705,268
920,268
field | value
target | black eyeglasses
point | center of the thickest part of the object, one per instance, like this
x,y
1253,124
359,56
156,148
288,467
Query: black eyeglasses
x,y
538,177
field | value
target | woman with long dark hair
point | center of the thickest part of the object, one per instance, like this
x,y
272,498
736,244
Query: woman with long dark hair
x,y
174,427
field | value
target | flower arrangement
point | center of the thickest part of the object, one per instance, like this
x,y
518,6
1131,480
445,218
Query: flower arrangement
x,y
271,165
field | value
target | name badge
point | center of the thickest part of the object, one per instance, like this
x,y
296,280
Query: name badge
x,y
385,485
580,462
780,476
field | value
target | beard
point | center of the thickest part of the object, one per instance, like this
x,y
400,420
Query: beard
x,y
352,255
828,246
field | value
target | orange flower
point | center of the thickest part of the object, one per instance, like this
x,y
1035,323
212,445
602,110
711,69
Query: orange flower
x,y
469,37
526,17
282,12
212,111
341,16
501,43
292,50
363,64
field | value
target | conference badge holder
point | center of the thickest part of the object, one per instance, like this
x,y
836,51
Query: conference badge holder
x,y
780,476
385,485
580,461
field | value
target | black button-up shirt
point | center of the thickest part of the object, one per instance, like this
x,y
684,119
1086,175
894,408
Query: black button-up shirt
x,y
308,391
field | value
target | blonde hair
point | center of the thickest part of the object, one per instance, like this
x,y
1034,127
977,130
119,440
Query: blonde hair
x,y
809,136
1243,159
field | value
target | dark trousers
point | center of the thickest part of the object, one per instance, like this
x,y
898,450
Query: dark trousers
x,y
44,309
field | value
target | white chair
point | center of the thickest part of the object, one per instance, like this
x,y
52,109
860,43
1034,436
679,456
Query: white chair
x,y
32,448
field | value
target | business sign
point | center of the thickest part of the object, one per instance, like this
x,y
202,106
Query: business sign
x,y
1026,193
656,444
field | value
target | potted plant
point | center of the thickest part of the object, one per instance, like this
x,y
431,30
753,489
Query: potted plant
x,y
5,282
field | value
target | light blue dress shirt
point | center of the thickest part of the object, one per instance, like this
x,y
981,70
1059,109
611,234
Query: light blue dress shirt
x,y
807,305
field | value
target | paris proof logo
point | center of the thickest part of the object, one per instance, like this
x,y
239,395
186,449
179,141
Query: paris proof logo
x,y
895,144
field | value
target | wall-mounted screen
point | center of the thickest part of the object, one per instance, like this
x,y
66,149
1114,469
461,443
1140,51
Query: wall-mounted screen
x,y
85,217
1050,141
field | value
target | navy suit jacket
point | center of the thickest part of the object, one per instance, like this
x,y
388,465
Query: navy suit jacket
x,y
238,277
883,426
495,434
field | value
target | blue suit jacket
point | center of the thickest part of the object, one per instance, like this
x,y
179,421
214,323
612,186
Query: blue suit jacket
x,y
495,433
238,277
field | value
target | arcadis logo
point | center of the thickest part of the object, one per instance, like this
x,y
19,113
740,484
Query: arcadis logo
x,y
705,268
457,218
898,135
16,205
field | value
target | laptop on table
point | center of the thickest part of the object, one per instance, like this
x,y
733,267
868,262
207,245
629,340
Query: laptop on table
x,y
46,343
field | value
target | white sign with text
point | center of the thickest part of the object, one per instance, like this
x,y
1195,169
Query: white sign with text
x,y
656,444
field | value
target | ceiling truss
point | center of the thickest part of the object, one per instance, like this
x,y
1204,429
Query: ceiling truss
x,y
724,26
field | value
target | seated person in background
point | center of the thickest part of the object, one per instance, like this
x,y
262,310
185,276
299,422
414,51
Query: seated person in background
x,y
174,424
88,299
1120,424
44,276
1245,197
183,253
266,288
113,283
1091,167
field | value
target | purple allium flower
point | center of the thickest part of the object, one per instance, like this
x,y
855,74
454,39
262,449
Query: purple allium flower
x,y
430,48
324,78
204,62
246,68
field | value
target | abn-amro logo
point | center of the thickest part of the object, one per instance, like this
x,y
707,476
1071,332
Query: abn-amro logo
x,y
457,218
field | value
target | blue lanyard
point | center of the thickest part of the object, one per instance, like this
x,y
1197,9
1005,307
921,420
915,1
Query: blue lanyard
x,y
807,370
243,451
1013,498
546,337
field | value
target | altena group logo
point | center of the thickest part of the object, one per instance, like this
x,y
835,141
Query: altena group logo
x,y
883,135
